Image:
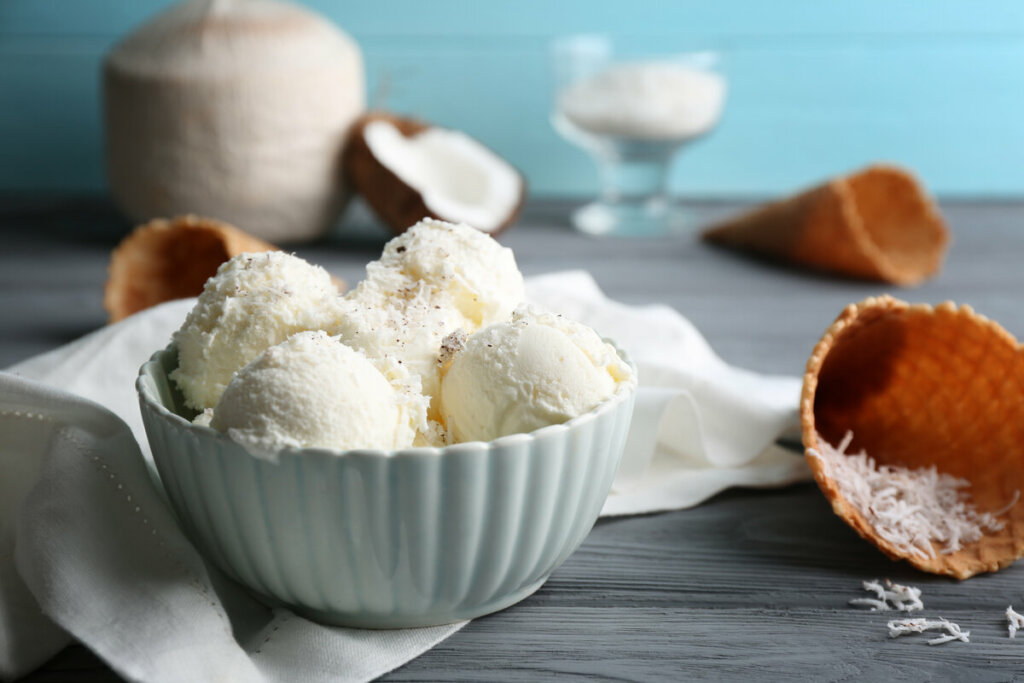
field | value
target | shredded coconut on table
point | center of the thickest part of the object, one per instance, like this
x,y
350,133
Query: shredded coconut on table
x,y
902,627
1016,621
902,598
908,508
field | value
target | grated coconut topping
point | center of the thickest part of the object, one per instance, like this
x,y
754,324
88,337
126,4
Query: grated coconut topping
x,y
909,508
1016,621
900,597
903,627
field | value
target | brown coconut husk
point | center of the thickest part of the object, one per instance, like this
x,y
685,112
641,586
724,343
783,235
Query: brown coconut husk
x,y
395,203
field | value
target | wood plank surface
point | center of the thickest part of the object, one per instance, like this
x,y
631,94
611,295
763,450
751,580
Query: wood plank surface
x,y
814,87
751,585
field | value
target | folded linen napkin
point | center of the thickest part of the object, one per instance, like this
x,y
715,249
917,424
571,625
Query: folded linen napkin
x,y
90,550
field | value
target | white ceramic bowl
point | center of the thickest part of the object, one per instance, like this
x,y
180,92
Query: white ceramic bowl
x,y
386,539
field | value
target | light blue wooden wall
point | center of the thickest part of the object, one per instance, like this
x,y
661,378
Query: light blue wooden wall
x,y
816,86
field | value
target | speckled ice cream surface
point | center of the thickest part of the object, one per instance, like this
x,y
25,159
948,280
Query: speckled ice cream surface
x,y
252,303
312,391
433,347
535,370
430,281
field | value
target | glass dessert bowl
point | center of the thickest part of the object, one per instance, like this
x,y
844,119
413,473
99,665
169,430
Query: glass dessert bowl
x,y
633,114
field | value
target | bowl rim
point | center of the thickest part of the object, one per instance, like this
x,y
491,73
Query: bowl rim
x,y
623,392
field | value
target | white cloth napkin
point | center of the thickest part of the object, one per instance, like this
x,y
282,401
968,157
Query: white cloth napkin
x,y
700,425
90,550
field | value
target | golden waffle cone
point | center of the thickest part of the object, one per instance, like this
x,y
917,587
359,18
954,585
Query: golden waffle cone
x,y
921,386
876,224
170,259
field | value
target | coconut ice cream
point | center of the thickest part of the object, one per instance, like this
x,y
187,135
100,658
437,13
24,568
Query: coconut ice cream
x,y
433,347
433,279
312,391
536,370
253,302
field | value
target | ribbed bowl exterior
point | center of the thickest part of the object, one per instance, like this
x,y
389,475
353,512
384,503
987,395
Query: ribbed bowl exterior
x,y
386,539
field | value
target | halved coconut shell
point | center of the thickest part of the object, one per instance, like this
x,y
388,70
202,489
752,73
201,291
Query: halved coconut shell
x,y
877,224
396,202
170,259
921,386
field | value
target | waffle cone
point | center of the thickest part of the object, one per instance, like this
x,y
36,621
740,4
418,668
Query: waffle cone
x,y
876,224
921,386
170,259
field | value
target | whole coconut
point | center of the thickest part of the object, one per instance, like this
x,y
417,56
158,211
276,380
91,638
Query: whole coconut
x,y
234,109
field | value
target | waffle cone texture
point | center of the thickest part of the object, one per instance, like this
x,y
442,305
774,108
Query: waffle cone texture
x,y
921,386
171,259
876,224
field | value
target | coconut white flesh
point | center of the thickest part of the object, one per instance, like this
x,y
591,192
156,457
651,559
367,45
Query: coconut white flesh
x,y
459,179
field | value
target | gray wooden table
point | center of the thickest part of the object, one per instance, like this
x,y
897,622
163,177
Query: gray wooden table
x,y
752,584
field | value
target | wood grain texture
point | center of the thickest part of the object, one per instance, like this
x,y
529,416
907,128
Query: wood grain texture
x,y
751,585
814,88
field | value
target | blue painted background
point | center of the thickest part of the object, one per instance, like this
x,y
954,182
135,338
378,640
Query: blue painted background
x,y
816,87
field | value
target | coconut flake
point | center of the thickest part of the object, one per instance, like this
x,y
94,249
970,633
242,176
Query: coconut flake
x,y
911,509
451,345
902,627
901,598
1016,621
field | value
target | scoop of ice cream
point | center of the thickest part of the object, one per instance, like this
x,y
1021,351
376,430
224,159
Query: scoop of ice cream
x,y
314,391
463,266
406,329
253,302
536,370
430,281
